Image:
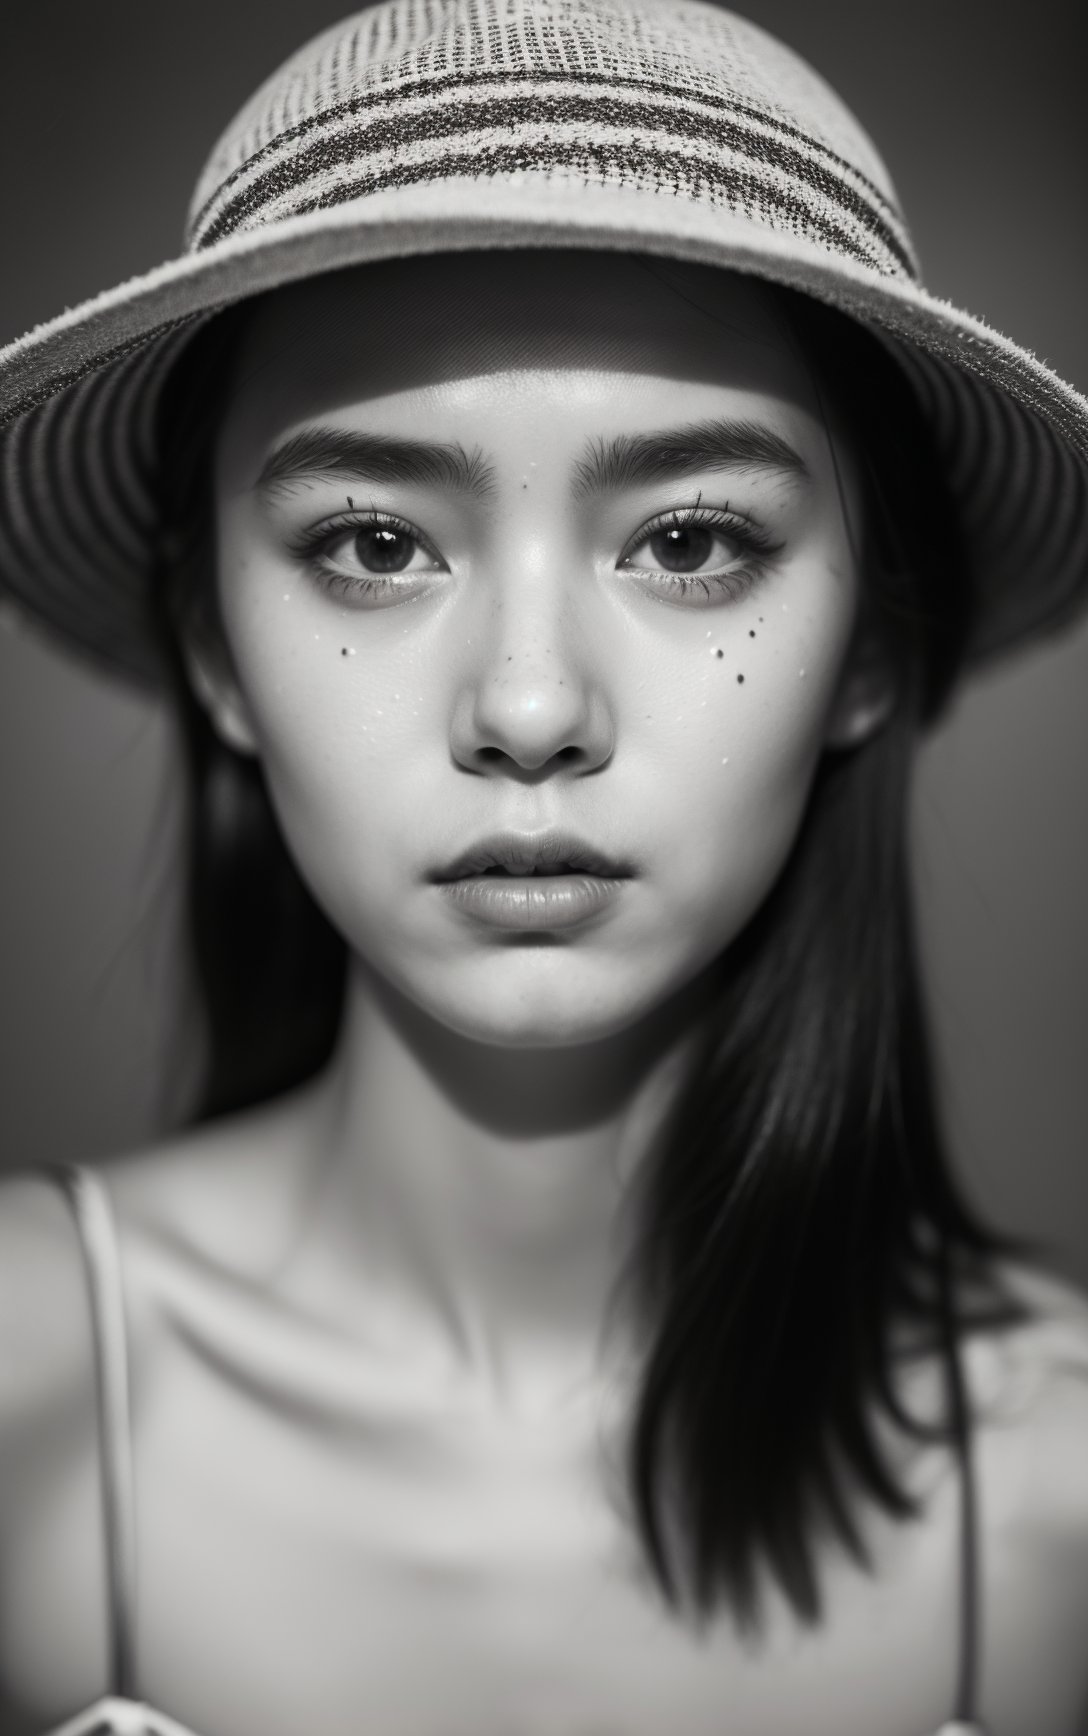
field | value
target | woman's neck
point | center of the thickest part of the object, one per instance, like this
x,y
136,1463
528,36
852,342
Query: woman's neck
x,y
472,1197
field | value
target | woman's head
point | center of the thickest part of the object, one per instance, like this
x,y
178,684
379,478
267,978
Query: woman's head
x,y
629,599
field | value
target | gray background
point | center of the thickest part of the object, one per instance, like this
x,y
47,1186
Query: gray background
x,y
108,111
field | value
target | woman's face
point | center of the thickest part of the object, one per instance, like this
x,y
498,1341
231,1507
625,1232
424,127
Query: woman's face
x,y
532,541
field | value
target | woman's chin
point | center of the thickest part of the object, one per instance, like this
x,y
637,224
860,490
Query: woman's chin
x,y
519,1007
569,1003
560,1023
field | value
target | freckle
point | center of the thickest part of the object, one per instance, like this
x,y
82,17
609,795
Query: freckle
x,y
761,620
719,652
343,650
751,632
740,677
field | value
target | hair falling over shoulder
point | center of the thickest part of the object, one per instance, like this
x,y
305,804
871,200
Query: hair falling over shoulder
x,y
796,1205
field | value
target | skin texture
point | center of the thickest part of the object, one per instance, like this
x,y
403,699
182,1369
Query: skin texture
x,y
538,666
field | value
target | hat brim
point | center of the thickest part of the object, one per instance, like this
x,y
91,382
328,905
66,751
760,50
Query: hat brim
x,y
78,520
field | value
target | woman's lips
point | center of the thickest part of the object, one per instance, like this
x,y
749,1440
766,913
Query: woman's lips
x,y
526,853
532,901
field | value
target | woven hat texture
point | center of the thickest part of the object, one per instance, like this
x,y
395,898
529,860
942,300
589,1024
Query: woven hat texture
x,y
667,127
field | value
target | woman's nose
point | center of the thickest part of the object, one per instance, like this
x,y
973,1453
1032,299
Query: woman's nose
x,y
534,695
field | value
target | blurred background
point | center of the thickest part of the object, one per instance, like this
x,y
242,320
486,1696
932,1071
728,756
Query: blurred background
x,y
108,112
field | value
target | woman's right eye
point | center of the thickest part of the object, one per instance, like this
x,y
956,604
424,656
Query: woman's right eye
x,y
378,548
356,556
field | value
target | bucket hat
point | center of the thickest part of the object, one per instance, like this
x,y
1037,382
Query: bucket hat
x,y
663,127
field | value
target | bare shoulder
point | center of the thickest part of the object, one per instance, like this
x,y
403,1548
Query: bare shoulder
x,y
219,1193
223,1193
1029,1391
44,1336
1030,1388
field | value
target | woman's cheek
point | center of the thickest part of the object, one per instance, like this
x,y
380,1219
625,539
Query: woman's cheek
x,y
318,711
341,820
332,750
758,785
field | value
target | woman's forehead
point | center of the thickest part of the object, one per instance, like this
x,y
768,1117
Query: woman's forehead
x,y
404,325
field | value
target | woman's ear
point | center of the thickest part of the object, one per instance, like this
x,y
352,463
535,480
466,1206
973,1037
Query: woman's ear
x,y
216,686
867,692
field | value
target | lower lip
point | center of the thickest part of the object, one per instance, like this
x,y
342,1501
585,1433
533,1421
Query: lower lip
x,y
532,901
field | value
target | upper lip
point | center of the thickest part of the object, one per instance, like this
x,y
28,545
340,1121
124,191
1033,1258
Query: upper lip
x,y
530,852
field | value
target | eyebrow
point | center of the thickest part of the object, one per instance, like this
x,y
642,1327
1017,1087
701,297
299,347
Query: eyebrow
x,y
633,460
624,461
333,452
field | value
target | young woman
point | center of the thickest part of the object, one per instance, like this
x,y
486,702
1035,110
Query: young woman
x,y
557,512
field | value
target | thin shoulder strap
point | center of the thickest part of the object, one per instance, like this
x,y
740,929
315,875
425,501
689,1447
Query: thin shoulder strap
x,y
89,1199
965,1713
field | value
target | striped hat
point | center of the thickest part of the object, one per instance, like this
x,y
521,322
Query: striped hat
x,y
666,127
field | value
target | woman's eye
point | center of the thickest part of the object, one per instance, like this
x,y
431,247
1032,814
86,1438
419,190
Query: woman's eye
x,y
716,551
377,549
712,551
683,550
355,558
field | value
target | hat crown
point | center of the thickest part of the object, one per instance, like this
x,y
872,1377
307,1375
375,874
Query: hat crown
x,y
493,87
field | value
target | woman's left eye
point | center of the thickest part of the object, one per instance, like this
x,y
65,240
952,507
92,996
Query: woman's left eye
x,y
715,551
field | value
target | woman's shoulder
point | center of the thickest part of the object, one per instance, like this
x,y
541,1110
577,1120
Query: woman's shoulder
x,y
45,1340
1044,1352
219,1194
185,1191
1028,1387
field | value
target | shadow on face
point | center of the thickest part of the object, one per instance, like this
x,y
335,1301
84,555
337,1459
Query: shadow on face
x,y
407,325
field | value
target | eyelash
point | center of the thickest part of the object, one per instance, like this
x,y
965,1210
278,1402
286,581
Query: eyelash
x,y
756,544
313,544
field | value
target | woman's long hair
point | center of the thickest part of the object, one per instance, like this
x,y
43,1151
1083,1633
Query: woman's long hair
x,y
799,1206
